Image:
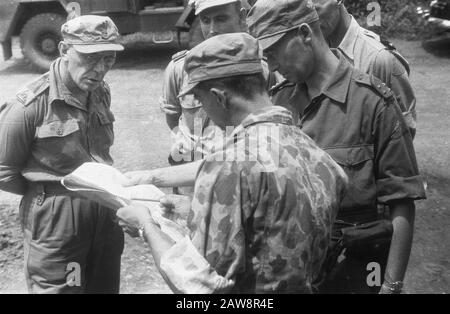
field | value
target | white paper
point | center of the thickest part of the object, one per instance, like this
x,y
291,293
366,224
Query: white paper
x,y
103,184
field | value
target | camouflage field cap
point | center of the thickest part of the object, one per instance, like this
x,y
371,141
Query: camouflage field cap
x,y
91,33
269,20
201,5
222,56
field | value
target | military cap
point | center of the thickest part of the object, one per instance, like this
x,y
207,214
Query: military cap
x,y
201,5
270,20
222,56
91,33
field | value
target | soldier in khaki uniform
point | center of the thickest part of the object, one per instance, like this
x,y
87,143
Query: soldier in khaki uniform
x,y
357,120
264,203
195,134
184,115
54,125
367,52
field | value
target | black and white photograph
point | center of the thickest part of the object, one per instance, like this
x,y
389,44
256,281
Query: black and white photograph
x,y
232,147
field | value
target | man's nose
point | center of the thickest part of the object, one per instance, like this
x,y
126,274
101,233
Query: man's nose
x,y
212,29
273,65
100,66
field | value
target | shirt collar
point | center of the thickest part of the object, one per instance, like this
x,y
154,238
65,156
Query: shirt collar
x,y
58,90
274,114
337,88
347,46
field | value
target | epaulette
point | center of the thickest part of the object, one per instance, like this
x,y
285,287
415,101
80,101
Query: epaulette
x,y
33,90
390,46
179,55
382,89
280,86
374,83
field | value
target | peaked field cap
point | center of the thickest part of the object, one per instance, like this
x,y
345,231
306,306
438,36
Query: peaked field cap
x,y
201,5
222,56
91,33
269,20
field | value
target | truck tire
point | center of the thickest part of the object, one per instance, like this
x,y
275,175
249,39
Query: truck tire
x,y
39,39
195,34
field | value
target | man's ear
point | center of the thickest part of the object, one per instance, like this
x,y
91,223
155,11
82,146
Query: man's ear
x,y
221,97
305,33
63,49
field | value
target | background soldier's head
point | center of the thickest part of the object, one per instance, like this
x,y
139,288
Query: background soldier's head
x,y
290,35
225,74
88,49
220,16
330,13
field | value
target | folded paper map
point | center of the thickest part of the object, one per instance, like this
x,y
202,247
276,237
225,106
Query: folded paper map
x,y
104,184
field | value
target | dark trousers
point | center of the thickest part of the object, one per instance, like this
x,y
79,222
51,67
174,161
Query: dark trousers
x,y
350,274
72,245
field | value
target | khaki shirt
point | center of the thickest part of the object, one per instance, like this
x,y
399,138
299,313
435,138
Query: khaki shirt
x,y
262,212
46,133
357,121
195,135
363,49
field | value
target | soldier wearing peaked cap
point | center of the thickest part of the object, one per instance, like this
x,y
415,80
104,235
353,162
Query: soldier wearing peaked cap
x,y
55,124
191,127
357,120
264,203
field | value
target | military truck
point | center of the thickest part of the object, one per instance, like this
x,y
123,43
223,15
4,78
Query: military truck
x,y
437,16
38,23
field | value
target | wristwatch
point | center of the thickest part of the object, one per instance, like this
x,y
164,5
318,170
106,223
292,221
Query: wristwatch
x,y
394,287
141,231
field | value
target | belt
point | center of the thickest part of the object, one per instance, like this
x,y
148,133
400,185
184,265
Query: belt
x,y
49,188
42,189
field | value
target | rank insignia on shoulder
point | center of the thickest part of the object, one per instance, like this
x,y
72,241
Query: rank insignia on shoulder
x,y
381,87
33,90
23,96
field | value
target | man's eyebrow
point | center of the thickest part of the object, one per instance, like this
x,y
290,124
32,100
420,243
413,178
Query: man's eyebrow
x,y
222,15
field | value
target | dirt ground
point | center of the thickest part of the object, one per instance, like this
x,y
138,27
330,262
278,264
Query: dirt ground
x,y
143,140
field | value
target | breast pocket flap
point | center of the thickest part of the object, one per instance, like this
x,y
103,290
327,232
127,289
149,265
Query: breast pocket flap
x,y
351,156
105,118
58,128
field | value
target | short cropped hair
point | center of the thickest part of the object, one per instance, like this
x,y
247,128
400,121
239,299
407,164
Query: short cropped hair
x,y
246,86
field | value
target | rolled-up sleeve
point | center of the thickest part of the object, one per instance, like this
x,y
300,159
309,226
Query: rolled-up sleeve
x,y
169,101
191,273
396,170
16,137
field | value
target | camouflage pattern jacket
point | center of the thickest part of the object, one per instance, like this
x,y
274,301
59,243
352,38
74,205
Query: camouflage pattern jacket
x,y
262,212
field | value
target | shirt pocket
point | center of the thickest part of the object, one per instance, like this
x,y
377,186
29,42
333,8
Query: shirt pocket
x,y
358,164
102,135
58,129
59,145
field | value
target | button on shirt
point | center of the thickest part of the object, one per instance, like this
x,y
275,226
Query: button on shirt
x,y
363,49
46,133
358,122
262,212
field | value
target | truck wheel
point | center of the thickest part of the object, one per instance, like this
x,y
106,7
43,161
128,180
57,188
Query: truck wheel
x,y
195,34
39,39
